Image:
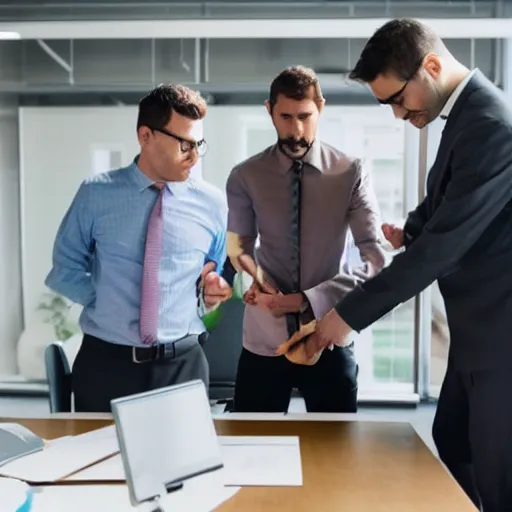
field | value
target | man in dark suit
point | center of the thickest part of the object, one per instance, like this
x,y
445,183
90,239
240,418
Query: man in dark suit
x,y
460,235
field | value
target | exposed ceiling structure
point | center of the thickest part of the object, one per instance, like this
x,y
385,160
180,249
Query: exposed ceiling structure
x,y
33,10
226,70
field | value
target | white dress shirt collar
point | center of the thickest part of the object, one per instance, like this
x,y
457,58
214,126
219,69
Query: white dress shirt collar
x,y
454,96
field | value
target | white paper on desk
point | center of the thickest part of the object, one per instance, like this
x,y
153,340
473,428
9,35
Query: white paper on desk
x,y
63,458
109,470
248,461
196,496
262,460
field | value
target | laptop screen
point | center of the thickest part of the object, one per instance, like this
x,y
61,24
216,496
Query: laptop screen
x,y
165,437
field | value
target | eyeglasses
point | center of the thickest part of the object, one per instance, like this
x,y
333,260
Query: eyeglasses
x,y
186,146
393,99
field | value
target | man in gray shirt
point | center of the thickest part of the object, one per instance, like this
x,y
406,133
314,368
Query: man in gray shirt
x,y
300,196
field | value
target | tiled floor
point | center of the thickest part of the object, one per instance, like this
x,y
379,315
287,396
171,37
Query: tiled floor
x,y
420,417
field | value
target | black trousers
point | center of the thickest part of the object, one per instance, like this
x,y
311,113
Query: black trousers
x,y
473,434
103,371
264,384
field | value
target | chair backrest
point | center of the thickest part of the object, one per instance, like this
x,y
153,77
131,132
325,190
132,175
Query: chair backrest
x,y
58,375
222,350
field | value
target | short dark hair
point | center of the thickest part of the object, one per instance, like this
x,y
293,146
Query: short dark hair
x,y
399,46
156,108
295,82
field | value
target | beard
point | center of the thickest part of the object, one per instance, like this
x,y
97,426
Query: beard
x,y
294,148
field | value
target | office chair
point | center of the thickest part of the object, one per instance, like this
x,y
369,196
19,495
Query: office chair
x,y
58,375
222,349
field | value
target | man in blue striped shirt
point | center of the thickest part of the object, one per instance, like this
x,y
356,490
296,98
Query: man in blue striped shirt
x,y
102,247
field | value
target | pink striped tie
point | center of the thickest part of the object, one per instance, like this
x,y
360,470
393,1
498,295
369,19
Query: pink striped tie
x,y
150,293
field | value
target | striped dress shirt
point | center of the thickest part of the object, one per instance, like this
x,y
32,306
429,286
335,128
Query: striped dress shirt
x,y
99,252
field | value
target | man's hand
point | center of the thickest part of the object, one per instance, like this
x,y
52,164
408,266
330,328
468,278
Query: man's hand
x,y
394,235
330,330
279,304
250,294
295,348
215,288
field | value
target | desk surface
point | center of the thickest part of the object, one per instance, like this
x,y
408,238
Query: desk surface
x,y
347,465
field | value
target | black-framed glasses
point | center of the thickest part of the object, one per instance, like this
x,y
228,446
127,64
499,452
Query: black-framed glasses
x,y
186,146
392,100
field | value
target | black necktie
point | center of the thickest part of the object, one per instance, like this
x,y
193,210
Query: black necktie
x,y
292,319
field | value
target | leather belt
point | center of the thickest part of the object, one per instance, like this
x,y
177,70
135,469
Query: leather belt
x,y
146,354
164,350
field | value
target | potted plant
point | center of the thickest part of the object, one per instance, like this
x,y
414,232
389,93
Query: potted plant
x,y
55,319
57,313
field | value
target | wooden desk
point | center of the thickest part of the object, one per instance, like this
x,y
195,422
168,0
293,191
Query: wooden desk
x,y
347,465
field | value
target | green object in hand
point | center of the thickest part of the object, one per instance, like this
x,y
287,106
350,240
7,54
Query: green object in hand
x,y
212,319
241,284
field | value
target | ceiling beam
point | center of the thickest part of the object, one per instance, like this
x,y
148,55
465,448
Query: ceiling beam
x,y
467,28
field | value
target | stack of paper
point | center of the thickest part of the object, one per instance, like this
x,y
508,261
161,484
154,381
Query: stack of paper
x,y
64,458
94,457
196,496
248,461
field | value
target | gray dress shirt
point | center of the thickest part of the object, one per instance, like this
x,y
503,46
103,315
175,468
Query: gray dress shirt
x,y
336,196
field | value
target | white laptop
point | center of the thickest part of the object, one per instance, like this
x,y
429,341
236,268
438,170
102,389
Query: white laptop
x,y
166,437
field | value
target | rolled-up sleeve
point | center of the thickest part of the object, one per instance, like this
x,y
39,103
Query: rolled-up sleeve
x,y
241,215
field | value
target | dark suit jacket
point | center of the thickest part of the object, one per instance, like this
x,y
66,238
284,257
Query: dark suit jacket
x,y
461,235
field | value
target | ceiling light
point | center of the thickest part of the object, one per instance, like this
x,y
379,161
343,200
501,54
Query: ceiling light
x,y
9,35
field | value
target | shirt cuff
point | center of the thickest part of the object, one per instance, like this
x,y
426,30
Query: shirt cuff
x,y
316,300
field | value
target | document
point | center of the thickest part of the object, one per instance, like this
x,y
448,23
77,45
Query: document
x,y
194,497
63,458
262,460
248,461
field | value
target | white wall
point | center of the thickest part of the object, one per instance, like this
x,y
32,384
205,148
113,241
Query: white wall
x,y
225,130
57,151
10,264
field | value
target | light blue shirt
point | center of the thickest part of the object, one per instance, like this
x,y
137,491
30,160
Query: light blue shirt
x,y
99,252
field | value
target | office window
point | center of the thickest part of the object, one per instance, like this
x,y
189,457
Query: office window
x,y
385,350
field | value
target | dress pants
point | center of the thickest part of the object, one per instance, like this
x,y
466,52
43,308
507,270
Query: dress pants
x,y
103,371
473,434
264,384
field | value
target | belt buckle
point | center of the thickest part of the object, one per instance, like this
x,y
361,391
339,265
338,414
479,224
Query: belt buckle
x,y
169,350
141,361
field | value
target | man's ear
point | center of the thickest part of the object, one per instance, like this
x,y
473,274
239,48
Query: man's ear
x,y
143,134
320,104
268,106
433,66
